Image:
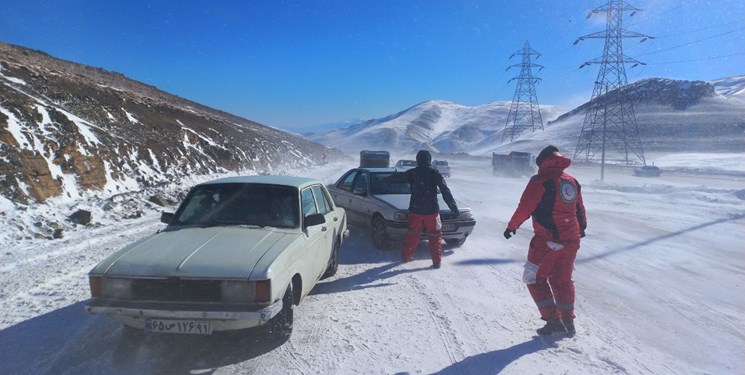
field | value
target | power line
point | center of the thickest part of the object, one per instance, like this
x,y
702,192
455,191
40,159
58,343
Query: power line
x,y
693,42
697,30
702,59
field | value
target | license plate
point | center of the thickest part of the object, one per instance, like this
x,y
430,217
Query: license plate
x,y
448,227
191,327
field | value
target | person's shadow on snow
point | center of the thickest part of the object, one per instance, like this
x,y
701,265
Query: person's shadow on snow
x,y
494,362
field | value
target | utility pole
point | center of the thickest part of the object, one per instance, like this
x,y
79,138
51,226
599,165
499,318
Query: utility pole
x,y
610,121
524,111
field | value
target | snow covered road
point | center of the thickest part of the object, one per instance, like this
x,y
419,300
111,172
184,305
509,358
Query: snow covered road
x,y
659,277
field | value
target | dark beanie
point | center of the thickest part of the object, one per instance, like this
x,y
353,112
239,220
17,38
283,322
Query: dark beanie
x,y
423,157
544,154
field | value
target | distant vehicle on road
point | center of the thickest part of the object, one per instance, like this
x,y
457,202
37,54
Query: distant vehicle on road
x,y
383,207
647,171
375,159
442,166
515,164
239,252
405,165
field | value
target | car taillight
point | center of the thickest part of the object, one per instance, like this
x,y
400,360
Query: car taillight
x,y
95,283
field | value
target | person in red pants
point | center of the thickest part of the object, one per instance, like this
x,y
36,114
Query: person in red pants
x,y
553,199
424,211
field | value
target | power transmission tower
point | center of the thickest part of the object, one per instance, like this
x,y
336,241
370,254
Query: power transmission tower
x,y
524,111
610,120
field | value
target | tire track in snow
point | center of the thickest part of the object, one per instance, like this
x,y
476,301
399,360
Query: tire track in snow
x,y
444,326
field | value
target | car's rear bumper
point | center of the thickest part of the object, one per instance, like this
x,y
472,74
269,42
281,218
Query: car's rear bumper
x,y
225,318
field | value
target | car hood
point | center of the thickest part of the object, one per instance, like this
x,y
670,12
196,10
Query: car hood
x,y
401,201
215,252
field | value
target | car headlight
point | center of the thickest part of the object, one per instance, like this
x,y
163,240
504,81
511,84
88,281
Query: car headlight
x,y
401,216
118,288
238,291
246,291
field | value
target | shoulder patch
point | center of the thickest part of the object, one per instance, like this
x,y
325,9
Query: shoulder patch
x,y
568,191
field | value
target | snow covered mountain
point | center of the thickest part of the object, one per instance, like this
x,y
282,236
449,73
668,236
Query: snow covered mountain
x,y
66,129
672,115
436,125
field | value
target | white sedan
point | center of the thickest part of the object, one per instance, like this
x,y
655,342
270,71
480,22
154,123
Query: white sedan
x,y
239,252
373,203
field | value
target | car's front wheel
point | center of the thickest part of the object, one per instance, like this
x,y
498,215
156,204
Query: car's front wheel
x,y
280,327
379,233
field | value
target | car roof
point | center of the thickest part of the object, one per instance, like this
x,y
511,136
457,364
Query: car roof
x,y
374,170
293,181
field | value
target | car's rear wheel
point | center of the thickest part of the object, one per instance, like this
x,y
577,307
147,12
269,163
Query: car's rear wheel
x,y
280,327
380,237
333,262
455,242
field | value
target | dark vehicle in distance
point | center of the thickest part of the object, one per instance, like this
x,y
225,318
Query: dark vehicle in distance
x,y
374,159
647,171
515,164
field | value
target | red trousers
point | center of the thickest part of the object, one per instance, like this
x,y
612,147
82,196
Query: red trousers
x,y
419,224
553,288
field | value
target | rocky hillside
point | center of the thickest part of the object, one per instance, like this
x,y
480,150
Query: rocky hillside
x,y
675,115
67,129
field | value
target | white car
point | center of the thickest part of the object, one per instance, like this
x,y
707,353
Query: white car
x,y
239,252
404,165
382,207
442,166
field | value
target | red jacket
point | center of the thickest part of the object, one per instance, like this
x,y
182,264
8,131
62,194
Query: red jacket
x,y
554,200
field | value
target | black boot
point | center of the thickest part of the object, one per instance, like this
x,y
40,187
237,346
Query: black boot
x,y
552,326
569,325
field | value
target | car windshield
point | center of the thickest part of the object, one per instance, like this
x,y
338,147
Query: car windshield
x,y
240,204
379,186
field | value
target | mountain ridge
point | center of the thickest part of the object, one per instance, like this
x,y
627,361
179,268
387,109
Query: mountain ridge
x,y
665,109
67,128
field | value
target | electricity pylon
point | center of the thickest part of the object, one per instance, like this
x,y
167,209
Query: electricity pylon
x,y
524,111
610,119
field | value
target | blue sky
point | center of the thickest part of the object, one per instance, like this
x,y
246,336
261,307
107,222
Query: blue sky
x,y
298,64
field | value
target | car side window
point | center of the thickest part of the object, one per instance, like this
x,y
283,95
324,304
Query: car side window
x,y
308,202
361,181
323,205
346,184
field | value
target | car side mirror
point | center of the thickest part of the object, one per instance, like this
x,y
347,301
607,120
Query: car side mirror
x,y
315,219
166,217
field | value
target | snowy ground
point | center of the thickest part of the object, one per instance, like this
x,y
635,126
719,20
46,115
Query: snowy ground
x,y
660,283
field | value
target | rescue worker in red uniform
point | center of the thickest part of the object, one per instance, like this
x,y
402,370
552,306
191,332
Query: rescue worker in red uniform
x,y
424,211
554,200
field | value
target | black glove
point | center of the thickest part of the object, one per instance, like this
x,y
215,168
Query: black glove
x,y
507,232
581,233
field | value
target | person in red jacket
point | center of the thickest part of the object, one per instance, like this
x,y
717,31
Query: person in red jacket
x,y
554,200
